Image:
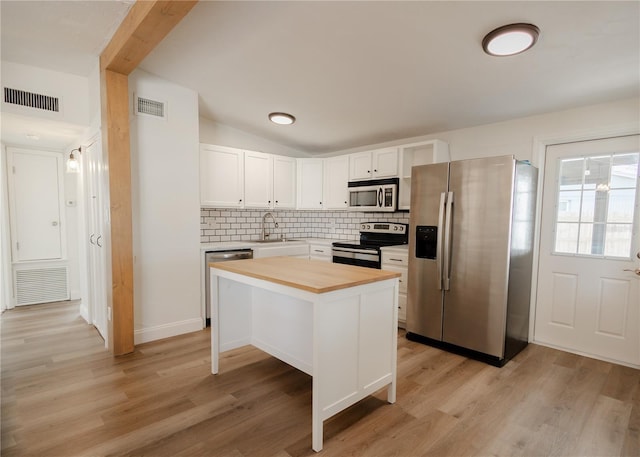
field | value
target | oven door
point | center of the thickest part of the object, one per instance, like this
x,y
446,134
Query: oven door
x,y
358,257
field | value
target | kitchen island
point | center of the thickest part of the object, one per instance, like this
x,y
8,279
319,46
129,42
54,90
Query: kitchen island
x,y
337,323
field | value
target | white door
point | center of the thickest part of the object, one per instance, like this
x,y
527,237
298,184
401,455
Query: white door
x,y
588,295
35,190
96,209
221,177
309,189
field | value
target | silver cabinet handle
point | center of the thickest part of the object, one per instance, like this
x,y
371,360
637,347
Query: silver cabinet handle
x,y
91,238
396,260
98,241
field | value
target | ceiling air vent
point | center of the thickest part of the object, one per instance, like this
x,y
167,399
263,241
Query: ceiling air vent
x,y
31,100
150,107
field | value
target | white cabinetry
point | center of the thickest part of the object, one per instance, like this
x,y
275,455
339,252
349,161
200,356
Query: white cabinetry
x,y
258,179
232,178
336,175
284,182
423,153
319,250
381,163
397,259
221,177
310,181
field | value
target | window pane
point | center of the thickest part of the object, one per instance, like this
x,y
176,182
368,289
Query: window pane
x,y
588,205
624,172
571,174
618,240
597,171
591,239
566,238
569,206
621,205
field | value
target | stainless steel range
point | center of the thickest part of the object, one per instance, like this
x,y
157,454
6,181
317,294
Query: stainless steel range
x,y
373,236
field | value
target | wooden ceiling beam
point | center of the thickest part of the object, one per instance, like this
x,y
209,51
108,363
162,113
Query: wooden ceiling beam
x,y
147,23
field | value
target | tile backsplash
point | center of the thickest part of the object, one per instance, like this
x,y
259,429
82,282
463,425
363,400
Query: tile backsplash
x,y
226,224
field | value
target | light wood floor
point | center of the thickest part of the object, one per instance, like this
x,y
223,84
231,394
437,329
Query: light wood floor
x,y
62,395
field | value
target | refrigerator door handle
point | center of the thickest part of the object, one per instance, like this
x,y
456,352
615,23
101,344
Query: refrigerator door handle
x,y
439,253
447,241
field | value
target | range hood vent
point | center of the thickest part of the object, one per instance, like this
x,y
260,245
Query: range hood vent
x,y
31,100
150,107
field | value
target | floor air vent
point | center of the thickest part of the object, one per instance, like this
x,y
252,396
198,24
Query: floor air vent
x,y
31,100
41,285
150,107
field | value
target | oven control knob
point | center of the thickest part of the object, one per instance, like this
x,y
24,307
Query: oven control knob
x,y
395,228
368,227
362,226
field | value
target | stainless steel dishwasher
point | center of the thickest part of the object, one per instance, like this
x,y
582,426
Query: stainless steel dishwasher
x,y
219,256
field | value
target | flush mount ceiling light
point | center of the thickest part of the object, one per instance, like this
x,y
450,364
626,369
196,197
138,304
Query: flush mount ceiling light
x,y
510,39
281,118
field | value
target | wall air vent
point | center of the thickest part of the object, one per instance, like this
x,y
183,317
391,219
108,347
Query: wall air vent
x,y
150,107
41,285
31,100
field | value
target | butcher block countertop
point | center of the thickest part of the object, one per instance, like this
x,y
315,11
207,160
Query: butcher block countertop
x,y
310,275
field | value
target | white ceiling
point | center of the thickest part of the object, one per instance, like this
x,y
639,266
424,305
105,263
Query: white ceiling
x,y
356,73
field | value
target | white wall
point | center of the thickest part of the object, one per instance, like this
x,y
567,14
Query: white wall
x,y
73,92
5,256
518,136
166,212
221,135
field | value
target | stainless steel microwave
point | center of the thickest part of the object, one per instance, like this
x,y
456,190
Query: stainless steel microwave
x,y
374,195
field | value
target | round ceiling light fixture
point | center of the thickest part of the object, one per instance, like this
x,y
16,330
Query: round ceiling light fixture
x,y
282,118
511,39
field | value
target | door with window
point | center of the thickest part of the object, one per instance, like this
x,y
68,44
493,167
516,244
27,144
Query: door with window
x,y
588,297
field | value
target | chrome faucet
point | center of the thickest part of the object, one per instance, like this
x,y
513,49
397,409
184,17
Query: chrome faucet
x,y
264,235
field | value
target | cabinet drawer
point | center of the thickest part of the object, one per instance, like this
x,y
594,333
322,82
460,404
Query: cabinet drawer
x,y
400,259
318,250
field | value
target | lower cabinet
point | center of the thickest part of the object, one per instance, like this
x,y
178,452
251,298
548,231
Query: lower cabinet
x,y
397,259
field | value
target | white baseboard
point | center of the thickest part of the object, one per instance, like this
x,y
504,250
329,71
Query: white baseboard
x,y
159,332
84,312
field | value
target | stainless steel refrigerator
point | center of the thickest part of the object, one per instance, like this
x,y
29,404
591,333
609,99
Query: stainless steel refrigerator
x,y
471,231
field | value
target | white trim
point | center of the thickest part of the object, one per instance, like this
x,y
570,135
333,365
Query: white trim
x,y
159,332
538,158
586,354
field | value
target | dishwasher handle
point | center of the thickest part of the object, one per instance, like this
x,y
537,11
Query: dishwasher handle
x,y
234,255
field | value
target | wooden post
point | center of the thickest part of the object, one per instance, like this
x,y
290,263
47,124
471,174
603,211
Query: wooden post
x,y
147,23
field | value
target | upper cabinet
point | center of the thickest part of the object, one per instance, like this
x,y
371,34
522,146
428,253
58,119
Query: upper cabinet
x,y
232,178
221,177
284,182
381,163
423,153
310,183
335,189
258,180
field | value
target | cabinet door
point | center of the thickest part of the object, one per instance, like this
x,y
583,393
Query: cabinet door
x,y
258,180
310,173
221,177
336,177
284,182
359,166
385,163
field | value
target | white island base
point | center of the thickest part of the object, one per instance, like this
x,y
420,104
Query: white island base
x,y
339,330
